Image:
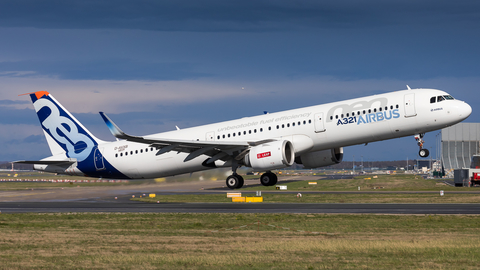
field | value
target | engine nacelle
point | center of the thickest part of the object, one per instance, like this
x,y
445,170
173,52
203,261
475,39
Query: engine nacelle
x,y
270,156
321,158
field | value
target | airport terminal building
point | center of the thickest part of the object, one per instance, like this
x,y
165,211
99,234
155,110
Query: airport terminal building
x,y
459,143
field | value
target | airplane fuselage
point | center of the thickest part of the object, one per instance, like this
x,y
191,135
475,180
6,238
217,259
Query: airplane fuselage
x,y
310,129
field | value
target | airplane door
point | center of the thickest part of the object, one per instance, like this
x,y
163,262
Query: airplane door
x,y
210,136
409,103
99,165
319,122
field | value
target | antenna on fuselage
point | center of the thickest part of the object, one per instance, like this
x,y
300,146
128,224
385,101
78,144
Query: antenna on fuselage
x,y
408,87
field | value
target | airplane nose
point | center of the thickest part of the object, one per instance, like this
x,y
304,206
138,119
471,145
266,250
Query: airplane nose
x,y
464,110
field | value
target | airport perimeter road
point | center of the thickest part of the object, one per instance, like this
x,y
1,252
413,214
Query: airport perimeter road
x,y
130,206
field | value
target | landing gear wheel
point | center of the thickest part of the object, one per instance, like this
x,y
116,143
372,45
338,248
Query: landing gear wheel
x,y
235,181
268,179
424,153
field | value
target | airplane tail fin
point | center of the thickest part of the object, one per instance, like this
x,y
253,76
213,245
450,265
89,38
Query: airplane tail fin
x,y
64,133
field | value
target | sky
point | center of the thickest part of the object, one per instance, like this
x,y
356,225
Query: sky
x,y
153,65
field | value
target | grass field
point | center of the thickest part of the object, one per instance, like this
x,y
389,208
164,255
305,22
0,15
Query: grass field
x,y
186,241
396,182
324,198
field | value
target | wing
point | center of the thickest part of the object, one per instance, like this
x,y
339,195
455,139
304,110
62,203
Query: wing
x,y
216,150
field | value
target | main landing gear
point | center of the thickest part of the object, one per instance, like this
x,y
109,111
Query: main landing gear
x,y
236,181
268,179
423,151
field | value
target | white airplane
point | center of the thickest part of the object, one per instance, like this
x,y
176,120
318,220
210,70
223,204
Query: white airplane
x,y
313,136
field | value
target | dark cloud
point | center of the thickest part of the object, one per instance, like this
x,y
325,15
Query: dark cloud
x,y
12,102
11,116
35,139
105,69
220,15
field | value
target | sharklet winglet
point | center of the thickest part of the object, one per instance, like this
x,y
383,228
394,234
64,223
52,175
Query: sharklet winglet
x,y
114,129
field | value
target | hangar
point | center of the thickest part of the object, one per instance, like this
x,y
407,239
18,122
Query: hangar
x,y
459,143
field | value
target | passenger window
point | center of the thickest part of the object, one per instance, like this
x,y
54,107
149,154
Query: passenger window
x,y
380,109
116,155
121,154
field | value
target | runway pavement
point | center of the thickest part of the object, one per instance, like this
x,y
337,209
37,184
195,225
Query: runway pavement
x,y
131,206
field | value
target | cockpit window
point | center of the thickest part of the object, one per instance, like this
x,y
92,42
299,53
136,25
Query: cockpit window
x,y
448,97
440,98
433,99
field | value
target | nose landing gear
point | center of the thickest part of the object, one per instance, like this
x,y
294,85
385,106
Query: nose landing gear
x,y
423,151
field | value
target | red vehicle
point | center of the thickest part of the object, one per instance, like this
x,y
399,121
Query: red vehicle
x,y
475,179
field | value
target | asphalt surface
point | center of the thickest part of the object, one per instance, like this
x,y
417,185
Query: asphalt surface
x,y
131,206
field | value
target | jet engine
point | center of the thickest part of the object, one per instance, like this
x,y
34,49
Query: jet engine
x,y
321,158
270,156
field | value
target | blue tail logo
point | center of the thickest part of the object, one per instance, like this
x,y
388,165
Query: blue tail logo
x,y
62,126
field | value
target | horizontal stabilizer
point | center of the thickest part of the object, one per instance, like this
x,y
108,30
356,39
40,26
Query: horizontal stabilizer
x,y
46,162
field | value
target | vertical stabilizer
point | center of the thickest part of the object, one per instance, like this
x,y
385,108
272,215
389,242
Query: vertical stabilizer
x,y
64,133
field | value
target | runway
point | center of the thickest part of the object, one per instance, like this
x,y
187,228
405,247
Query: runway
x,y
124,205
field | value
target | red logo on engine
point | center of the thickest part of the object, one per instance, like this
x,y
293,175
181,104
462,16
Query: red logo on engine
x,y
264,155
